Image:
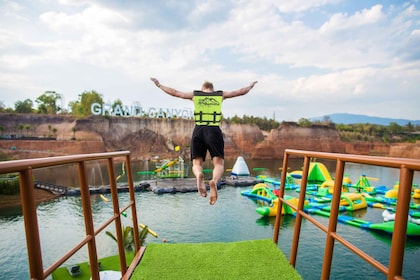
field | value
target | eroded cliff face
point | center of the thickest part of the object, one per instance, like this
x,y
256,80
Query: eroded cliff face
x,y
146,138
406,150
241,139
291,136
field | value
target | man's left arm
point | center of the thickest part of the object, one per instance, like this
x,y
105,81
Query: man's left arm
x,y
238,92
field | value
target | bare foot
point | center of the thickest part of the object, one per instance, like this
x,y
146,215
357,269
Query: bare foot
x,y
213,192
201,186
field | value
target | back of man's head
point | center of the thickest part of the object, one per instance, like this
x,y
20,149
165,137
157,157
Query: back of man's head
x,y
207,86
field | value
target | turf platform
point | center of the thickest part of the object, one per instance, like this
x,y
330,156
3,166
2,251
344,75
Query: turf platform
x,y
254,259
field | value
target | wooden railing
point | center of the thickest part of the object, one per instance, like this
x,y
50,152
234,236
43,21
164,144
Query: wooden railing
x,y
25,167
407,168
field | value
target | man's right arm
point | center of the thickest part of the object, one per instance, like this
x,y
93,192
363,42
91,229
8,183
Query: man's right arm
x,y
172,91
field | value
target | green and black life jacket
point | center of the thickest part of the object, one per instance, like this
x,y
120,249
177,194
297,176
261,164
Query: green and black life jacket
x,y
208,107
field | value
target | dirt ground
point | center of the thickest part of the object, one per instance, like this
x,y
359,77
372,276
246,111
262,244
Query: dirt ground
x,y
7,201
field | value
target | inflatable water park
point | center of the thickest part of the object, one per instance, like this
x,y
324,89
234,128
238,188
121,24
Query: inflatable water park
x,y
319,192
169,168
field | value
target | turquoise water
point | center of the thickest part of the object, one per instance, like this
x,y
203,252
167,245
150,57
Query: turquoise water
x,y
187,217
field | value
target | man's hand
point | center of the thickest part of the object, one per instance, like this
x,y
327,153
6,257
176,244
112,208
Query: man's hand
x,y
155,81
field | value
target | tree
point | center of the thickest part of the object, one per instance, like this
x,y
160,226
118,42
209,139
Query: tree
x,y
410,127
24,107
4,109
235,120
47,102
27,127
21,126
81,107
262,123
394,128
116,103
304,122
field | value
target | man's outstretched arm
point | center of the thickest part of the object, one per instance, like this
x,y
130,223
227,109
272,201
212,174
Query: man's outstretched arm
x,y
172,91
238,92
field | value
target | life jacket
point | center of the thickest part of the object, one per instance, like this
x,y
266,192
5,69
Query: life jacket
x,y
208,107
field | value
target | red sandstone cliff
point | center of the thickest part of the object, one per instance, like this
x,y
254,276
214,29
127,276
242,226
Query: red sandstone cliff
x,y
291,136
146,138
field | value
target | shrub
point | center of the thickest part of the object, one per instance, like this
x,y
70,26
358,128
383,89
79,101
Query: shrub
x,y
9,184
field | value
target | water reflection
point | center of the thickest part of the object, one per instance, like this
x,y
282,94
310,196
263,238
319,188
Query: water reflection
x,y
142,170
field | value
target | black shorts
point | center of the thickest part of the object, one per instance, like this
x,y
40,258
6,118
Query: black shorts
x,y
207,138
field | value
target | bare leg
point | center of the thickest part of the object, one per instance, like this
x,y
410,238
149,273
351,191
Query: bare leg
x,y
218,169
197,170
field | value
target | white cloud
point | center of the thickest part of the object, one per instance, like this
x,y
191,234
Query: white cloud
x,y
205,11
367,53
12,10
94,18
342,21
302,5
74,2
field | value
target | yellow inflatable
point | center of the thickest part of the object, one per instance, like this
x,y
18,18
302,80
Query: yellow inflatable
x,y
149,230
353,201
392,193
272,209
330,186
103,198
416,194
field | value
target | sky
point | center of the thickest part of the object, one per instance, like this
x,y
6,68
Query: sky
x,y
310,57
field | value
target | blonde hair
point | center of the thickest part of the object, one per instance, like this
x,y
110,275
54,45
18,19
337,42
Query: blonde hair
x,y
207,85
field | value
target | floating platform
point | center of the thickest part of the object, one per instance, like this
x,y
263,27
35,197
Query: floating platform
x,y
107,189
242,181
177,185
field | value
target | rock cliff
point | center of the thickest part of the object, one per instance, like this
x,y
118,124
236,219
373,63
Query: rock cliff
x,y
291,136
148,137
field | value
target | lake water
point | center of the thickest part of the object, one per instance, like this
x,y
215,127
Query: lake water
x,y
187,217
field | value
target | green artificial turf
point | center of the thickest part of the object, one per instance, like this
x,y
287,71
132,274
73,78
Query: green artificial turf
x,y
108,263
255,259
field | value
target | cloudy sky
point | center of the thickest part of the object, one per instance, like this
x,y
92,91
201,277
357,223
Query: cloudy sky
x,y
310,57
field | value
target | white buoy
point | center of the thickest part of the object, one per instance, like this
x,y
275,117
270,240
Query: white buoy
x,y
240,168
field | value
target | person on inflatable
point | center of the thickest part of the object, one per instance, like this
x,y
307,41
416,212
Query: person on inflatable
x,y
207,135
